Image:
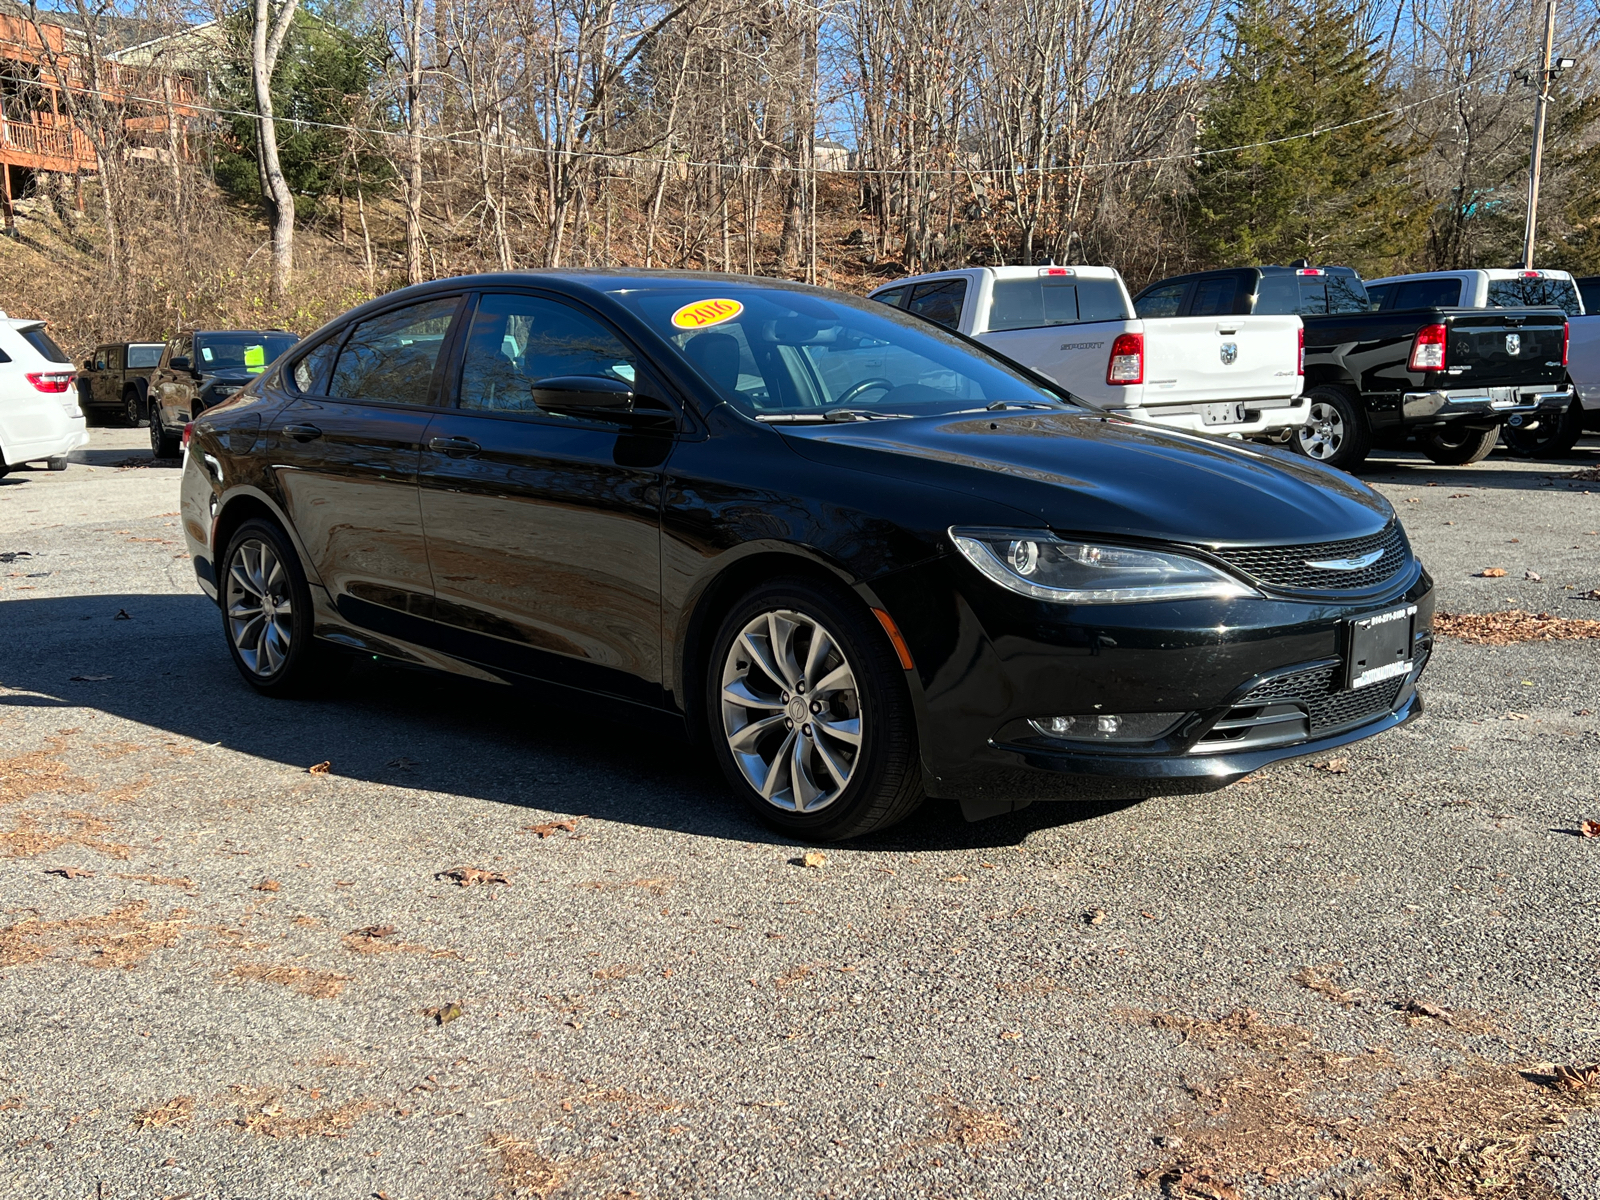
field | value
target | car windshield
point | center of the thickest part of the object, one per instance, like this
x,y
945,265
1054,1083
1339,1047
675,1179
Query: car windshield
x,y
777,354
251,352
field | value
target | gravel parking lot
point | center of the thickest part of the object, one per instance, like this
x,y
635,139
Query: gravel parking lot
x,y
224,973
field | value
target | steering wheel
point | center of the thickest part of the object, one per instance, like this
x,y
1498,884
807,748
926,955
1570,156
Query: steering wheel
x,y
866,385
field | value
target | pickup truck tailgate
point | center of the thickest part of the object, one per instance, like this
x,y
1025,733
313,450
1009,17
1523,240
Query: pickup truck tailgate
x,y
1191,360
1503,347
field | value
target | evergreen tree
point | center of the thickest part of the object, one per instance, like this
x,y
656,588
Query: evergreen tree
x,y
1340,197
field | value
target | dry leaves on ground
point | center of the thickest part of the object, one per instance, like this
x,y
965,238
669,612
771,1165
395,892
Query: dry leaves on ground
x,y
1095,916
266,885
444,1013
1492,573
39,771
186,885
262,1113
319,985
1333,766
656,887
176,1111
69,872
546,828
1415,1009
969,1127
814,859
122,937
523,1171
1513,625
1314,980
473,876
28,837
1589,829
1577,1079
321,768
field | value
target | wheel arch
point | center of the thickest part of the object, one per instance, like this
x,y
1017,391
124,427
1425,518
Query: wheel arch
x,y
240,507
1319,374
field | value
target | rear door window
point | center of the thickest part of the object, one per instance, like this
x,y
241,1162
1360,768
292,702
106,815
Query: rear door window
x,y
1163,301
1054,300
1426,293
1214,297
390,358
939,301
142,357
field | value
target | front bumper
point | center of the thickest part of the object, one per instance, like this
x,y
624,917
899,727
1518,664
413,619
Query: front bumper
x,y
1486,406
1261,416
987,661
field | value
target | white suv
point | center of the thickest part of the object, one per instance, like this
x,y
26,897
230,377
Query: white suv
x,y
40,420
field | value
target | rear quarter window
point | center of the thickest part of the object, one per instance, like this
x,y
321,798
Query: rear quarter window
x,y
940,301
45,345
894,297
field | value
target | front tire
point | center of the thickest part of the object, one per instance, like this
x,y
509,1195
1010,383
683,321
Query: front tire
x,y
1458,447
809,713
1553,439
162,443
266,611
1336,432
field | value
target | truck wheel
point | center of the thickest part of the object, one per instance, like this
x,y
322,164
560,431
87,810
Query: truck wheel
x,y
1553,438
132,410
1455,447
162,443
809,714
1336,432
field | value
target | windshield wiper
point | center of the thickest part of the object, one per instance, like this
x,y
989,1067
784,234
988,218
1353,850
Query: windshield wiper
x,y
998,405
830,416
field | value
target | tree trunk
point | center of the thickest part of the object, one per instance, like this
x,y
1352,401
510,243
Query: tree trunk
x,y
267,34
414,144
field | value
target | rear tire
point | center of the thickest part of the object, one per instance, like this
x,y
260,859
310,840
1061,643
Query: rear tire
x,y
823,758
133,409
1336,432
1553,439
58,463
162,443
266,612
1458,447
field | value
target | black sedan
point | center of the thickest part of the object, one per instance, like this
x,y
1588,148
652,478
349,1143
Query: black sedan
x,y
861,556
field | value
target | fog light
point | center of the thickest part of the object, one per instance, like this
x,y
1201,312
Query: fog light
x,y
1109,727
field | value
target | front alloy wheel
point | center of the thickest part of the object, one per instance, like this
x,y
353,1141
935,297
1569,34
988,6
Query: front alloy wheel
x,y
791,711
260,608
809,712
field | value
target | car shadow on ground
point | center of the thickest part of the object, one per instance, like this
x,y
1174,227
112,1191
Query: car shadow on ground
x,y
111,456
164,664
1498,472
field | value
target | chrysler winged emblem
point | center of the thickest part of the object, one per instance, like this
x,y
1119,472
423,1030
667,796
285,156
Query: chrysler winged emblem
x,y
1230,352
1513,344
1345,564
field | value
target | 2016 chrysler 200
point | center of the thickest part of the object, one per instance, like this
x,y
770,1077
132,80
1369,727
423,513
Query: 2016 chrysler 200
x,y
864,557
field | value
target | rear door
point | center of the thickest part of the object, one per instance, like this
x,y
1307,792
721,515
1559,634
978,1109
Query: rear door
x,y
543,531
344,449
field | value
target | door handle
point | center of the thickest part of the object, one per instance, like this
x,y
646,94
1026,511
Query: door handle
x,y
302,433
455,447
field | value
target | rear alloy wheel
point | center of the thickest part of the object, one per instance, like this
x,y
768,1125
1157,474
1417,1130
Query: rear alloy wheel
x,y
132,410
809,713
266,610
1554,437
162,443
1335,433
1457,447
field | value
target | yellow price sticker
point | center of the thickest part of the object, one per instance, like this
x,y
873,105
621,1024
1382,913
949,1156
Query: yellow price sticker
x,y
255,359
705,313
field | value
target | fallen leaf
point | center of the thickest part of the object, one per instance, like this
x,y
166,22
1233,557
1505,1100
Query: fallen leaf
x,y
321,768
472,876
955,879
122,615
373,931
1421,1008
546,828
1577,1079
90,678
814,859
69,872
1095,917
1533,575
1590,829
445,1013
1333,766
1518,716
266,885
1492,573
1412,500
1011,1035
1513,625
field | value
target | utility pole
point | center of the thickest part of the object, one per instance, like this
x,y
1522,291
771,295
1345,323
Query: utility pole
x,y
1547,71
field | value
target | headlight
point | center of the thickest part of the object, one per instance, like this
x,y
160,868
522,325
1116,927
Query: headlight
x,y
1040,565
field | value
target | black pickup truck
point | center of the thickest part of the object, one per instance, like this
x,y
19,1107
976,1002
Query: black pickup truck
x,y
1447,377
116,381
201,369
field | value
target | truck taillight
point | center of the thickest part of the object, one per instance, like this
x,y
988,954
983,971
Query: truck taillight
x,y
1427,352
50,381
188,432
1301,369
1309,271
1566,336
1127,359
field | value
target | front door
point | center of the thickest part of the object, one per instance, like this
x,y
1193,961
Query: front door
x,y
345,448
543,531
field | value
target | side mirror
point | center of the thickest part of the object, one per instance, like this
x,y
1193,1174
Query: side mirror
x,y
88,364
595,396
179,364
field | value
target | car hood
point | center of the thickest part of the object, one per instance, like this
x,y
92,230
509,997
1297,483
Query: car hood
x,y
1086,473
231,375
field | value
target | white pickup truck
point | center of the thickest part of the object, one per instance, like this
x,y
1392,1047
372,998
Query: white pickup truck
x,y
1548,433
1221,374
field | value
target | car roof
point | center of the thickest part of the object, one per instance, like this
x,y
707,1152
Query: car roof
x,y
1492,272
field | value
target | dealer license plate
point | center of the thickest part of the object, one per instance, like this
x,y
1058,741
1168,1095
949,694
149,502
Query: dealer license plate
x,y
1222,414
1379,647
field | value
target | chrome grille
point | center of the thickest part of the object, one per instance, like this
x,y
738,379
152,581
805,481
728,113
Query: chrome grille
x,y
1285,566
